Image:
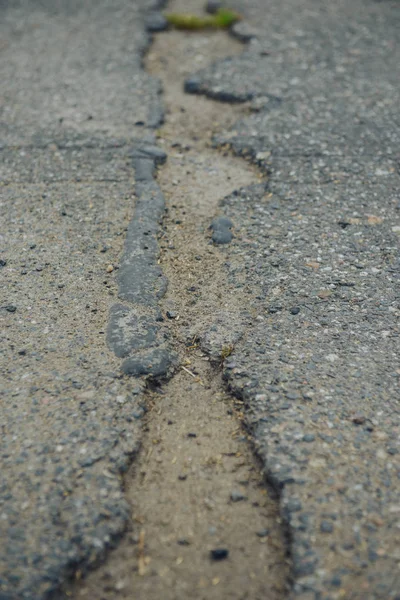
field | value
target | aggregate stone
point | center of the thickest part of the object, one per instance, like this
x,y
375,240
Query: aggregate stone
x,y
156,22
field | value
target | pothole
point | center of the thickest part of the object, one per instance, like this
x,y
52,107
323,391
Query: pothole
x,y
204,523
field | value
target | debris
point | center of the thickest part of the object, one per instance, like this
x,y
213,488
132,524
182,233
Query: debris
x,y
219,554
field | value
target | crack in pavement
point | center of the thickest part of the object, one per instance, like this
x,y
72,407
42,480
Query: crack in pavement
x,y
196,489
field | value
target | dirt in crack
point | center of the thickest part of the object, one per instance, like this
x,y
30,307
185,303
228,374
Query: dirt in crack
x,y
196,486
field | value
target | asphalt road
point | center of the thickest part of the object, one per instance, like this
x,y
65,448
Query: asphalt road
x,y
317,247
77,110
320,369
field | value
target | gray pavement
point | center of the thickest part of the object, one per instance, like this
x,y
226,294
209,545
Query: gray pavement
x,y
319,249
76,112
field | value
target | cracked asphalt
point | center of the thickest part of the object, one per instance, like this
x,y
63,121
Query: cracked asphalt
x,y
77,110
315,246
318,246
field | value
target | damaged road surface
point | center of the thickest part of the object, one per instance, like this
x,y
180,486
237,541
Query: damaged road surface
x,y
200,302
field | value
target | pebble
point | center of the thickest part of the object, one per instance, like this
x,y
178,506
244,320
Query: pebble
x,y
262,533
221,228
183,542
237,496
212,6
326,527
156,22
10,308
219,554
244,31
359,419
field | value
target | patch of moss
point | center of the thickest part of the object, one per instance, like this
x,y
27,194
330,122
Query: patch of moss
x,y
222,19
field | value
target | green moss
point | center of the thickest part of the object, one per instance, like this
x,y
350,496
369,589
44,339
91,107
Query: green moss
x,y
222,19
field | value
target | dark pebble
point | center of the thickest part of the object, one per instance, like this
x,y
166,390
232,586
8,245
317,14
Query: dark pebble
x,y
359,419
192,435
212,6
219,554
172,314
336,581
3,263
263,533
274,309
295,310
221,228
326,527
182,477
183,542
237,496
156,22
221,223
309,437
10,308
222,236
192,86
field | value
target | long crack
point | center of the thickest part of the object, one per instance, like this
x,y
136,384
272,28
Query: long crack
x,y
196,486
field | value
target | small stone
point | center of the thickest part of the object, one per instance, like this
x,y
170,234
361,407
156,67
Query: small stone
x,y
172,314
219,554
212,6
182,477
221,223
222,237
336,581
183,542
359,419
295,310
192,435
263,533
192,86
10,308
274,309
3,263
156,22
326,527
237,496
221,228
110,269
309,437
244,31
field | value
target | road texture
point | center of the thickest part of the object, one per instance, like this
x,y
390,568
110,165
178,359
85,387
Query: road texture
x,y
308,336
320,369
76,112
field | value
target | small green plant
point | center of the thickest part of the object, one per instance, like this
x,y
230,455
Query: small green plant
x,y
222,19
226,351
